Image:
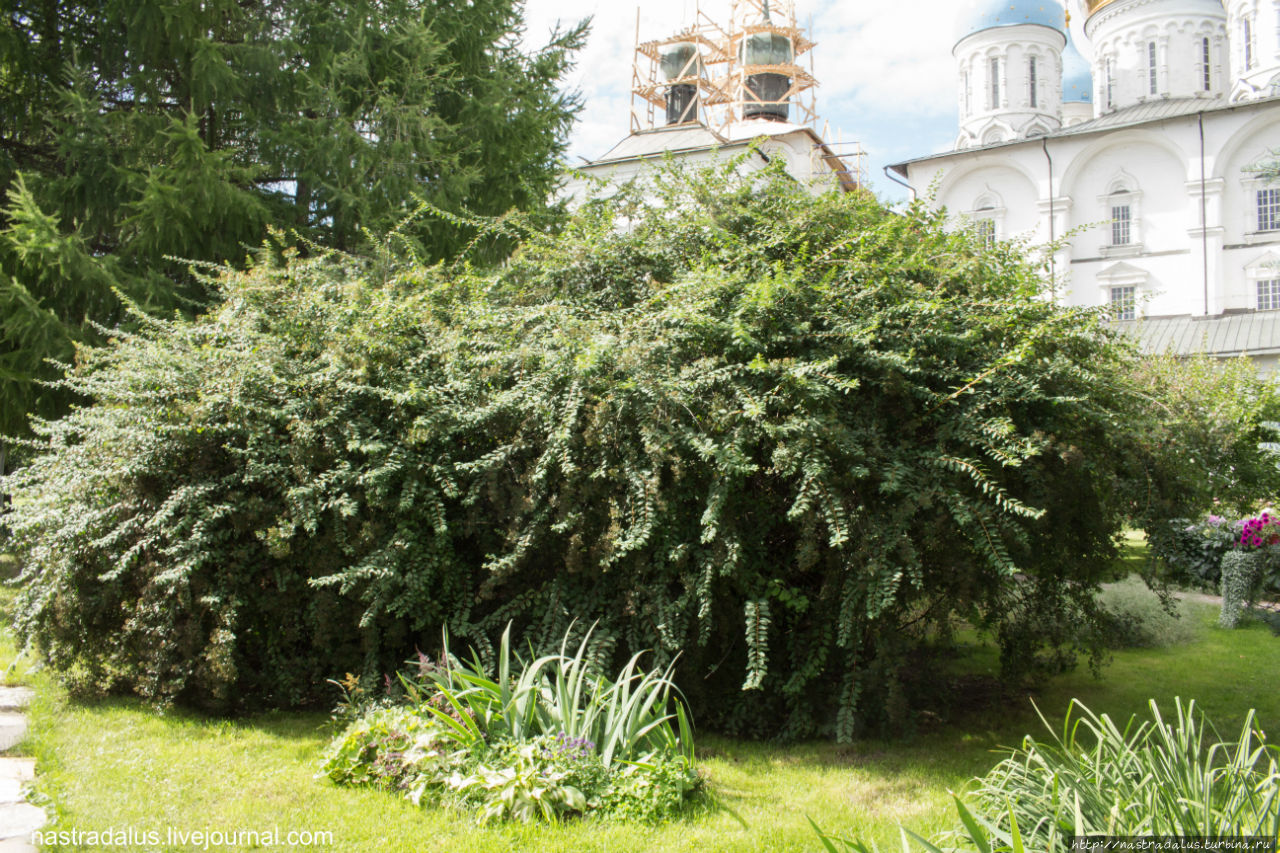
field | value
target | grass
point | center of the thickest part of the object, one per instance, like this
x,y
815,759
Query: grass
x,y
1133,554
119,764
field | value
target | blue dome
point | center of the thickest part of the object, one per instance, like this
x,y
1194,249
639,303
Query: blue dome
x,y
1077,77
979,15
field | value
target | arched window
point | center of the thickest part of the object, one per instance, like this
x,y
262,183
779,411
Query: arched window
x,y
1121,219
987,216
1121,209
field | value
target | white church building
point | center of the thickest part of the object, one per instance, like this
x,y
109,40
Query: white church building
x,y
1136,162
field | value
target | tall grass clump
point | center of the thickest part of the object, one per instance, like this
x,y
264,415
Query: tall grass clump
x,y
632,717
1151,777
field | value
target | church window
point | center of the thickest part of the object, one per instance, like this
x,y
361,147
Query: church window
x,y
964,91
985,218
1152,83
1246,38
994,90
1124,303
1031,70
1109,72
1204,63
1269,294
1121,224
986,230
1269,209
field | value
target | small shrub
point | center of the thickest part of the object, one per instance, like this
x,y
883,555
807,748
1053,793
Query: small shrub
x,y
386,748
1191,551
358,699
1135,616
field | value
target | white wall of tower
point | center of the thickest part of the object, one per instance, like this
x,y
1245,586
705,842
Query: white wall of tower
x,y
1150,49
1010,83
1253,27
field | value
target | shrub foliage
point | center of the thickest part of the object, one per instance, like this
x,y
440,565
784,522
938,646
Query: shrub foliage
x,y
785,437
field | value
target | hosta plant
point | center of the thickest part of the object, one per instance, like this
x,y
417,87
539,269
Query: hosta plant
x,y
520,786
389,748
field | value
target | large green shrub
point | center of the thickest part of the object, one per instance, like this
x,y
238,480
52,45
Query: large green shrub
x,y
1204,420
786,437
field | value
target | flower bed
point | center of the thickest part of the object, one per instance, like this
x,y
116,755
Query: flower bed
x,y
553,740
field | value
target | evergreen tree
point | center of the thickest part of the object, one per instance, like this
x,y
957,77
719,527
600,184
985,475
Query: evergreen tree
x,y
134,133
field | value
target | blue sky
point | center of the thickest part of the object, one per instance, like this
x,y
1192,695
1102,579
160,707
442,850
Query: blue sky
x,y
885,67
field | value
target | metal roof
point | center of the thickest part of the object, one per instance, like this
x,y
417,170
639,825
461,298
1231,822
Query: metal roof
x,y
1252,333
687,138
1132,116
654,143
1143,113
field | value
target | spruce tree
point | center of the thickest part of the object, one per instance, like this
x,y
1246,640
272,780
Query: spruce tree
x,y
138,135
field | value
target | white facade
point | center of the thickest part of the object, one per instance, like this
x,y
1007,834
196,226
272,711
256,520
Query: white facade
x,y
1151,200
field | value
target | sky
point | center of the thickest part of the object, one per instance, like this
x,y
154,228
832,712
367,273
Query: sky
x,y
887,78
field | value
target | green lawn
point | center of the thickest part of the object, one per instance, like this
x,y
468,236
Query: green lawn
x,y
119,765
